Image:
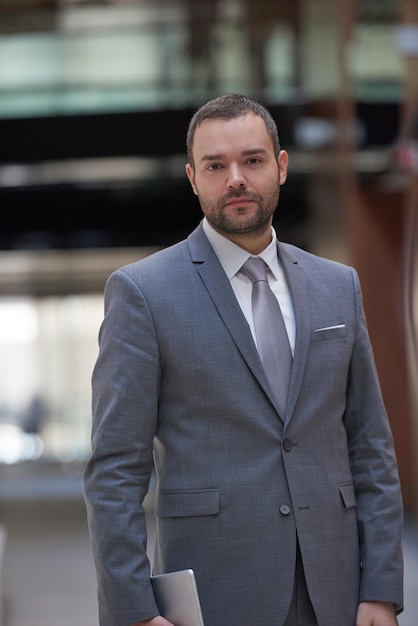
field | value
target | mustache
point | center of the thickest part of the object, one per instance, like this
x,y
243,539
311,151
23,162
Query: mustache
x,y
239,193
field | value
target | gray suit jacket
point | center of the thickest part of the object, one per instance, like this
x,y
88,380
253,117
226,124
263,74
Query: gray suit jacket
x,y
178,377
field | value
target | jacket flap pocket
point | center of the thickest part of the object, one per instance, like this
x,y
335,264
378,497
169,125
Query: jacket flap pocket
x,y
348,495
183,503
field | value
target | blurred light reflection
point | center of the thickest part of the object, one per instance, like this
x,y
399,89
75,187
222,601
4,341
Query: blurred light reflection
x,y
16,445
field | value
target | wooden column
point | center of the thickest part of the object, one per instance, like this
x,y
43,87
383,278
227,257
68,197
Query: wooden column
x,y
377,227
408,133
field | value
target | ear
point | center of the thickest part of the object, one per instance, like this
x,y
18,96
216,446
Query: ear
x,y
282,161
191,177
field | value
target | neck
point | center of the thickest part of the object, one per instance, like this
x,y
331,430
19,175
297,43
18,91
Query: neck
x,y
254,244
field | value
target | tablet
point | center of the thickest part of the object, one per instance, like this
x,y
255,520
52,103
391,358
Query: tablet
x,y
177,597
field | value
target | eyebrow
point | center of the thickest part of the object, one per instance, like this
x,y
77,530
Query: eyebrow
x,y
220,156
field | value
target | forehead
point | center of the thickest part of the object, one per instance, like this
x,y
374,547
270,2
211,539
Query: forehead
x,y
222,136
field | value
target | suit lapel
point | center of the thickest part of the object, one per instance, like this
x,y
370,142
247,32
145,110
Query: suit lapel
x,y
299,290
223,298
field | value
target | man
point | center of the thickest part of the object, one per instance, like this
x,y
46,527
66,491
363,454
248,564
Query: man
x,y
288,515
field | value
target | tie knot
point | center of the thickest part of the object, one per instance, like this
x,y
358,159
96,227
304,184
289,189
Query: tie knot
x,y
255,269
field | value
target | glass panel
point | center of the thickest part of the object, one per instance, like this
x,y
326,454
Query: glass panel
x,y
130,58
154,55
377,67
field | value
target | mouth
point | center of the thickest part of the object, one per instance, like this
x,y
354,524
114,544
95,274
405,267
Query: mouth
x,y
239,201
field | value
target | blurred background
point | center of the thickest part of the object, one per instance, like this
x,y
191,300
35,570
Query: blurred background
x,y
95,99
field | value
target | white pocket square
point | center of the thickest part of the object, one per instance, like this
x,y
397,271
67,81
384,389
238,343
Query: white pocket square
x,y
318,330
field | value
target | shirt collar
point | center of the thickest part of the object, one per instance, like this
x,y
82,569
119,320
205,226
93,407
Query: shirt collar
x,y
232,257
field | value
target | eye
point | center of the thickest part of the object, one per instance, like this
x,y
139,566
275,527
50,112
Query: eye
x,y
254,161
212,167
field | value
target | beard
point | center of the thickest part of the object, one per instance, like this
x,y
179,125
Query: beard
x,y
234,224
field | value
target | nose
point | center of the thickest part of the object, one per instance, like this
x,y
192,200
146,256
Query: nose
x,y
236,178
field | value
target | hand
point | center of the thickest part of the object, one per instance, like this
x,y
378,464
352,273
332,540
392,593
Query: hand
x,y
154,621
376,614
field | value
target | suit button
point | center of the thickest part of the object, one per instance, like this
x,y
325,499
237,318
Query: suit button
x,y
287,445
284,509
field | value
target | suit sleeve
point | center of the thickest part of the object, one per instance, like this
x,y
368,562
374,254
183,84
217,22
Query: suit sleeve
x,y
375,474
125,386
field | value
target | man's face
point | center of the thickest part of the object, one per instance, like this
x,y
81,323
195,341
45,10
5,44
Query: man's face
x,y
236,175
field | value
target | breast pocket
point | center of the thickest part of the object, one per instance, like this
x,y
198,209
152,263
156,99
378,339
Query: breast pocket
x,y
326,333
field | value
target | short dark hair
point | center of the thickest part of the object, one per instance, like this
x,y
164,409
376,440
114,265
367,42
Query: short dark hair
x,y
228,107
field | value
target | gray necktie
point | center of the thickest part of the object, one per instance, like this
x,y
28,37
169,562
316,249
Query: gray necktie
x,y
270,330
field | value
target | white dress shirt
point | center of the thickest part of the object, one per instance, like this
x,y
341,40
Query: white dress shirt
x,y
232,257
